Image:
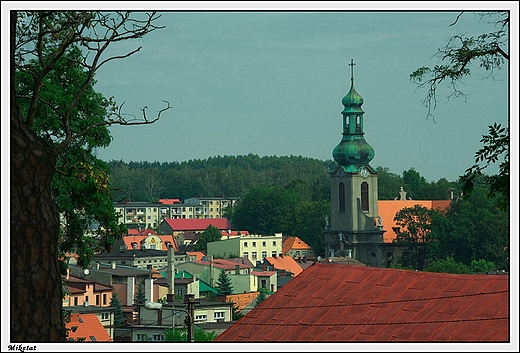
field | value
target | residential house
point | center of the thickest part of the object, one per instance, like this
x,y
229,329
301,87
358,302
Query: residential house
x,y
86,296
253,247
86,327
343,303
141,215
285,266
155,322
296,248
212,207
149,239
209,269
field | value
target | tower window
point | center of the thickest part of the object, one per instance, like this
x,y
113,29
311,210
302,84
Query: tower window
x,y
341,197
364,196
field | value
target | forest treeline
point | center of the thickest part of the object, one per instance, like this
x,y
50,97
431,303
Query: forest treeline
x,y
235,176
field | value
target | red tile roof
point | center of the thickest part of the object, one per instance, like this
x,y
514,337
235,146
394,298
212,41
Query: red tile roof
x,y
129,239
294,243
197,224
389,208
286,263
88,327
342,303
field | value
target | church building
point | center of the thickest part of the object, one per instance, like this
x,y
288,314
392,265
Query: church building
x,y
355,228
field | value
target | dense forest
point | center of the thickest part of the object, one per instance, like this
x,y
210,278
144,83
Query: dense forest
x,y
235,176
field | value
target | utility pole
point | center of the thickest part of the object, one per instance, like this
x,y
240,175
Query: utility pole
x,y
190,300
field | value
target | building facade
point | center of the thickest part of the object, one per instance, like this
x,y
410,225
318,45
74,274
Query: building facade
x,y
253,247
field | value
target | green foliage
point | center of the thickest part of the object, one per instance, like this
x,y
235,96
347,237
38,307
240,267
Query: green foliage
x,y
415,234
495,149
180,335
224,285
140,296
489,51
210,234
237,314
448,265
262,295
482,266
119,319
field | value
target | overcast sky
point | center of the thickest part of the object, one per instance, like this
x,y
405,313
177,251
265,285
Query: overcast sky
x,y
271,83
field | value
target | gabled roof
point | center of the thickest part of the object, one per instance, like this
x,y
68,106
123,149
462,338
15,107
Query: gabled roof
x,y
342,303
138,239
286,263
389,208
294,243
198,254
88,327
79,285
197,224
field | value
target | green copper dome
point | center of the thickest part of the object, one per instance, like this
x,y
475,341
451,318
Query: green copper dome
x,y
353,151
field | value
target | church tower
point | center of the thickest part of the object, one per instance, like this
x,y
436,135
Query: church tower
x,y
354,228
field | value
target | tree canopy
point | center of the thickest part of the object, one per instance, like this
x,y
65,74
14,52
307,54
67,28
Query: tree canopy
x,y
210,234
59,189
456,61
224,285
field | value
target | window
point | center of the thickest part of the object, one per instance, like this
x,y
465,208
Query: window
x,y
264,254
86,298
253,256
105,316
219,315
274,242
76,301
97,299
264,244
246,255
245,244
158,337
104,299
141,337
341,196
254,244
273,253
201,317
364,196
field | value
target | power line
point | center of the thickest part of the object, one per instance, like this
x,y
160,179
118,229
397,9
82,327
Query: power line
x,y
380,302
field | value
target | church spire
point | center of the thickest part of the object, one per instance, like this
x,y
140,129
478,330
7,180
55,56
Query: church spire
x,y
353,151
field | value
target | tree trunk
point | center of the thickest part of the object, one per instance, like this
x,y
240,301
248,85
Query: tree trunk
x,y
36,286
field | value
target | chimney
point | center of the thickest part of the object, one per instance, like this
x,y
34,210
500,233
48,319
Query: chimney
x,y
170,270
130,289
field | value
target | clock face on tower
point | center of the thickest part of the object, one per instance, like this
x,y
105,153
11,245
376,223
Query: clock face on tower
x,y
364,172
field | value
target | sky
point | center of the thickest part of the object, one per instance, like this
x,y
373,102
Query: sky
x,y
269,80
271,83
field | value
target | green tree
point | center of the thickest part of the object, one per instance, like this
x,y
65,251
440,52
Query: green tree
x,y
415,184
210,234
448,265
490,51
57,121
415,234
224,285
180,335
482,266
119,319
262,295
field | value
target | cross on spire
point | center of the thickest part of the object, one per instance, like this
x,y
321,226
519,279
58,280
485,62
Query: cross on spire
x,y
351,69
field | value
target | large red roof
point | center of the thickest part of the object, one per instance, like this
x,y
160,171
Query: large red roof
x,y
197,224
330,302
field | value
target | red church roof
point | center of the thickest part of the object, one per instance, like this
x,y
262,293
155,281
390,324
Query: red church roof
x,y
389,208
330,302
